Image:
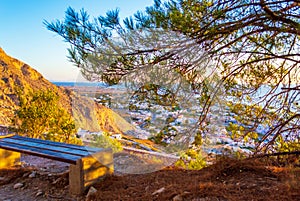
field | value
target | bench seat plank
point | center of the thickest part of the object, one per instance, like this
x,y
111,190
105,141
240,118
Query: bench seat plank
x,y
48,142
88,164
46,147
63,157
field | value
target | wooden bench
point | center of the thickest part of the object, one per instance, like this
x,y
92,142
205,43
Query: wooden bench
x,y
87,164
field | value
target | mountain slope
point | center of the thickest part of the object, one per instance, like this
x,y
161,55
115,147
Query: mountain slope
x,y
87,114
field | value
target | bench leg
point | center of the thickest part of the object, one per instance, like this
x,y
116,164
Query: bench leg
x,y
9,158
89,170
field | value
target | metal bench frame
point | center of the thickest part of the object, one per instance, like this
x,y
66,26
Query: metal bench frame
x,y
87,164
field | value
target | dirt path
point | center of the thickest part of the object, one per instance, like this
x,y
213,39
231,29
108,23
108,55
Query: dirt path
x,y
226,180
44,179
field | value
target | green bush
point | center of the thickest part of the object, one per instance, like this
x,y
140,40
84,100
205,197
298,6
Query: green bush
x,y
105,141
192,160
40,115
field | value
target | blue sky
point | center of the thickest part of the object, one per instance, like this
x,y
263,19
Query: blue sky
x,y
24,36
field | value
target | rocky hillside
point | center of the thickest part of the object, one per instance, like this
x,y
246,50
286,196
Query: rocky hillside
x,y
87,114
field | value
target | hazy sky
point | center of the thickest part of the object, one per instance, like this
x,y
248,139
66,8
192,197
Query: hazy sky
x,y
24,36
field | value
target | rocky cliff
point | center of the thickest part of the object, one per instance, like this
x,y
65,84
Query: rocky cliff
x,y
87,114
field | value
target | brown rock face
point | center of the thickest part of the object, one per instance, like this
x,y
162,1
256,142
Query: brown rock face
x,y
87,114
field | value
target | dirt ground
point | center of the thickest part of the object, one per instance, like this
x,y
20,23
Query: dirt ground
x,y
228,179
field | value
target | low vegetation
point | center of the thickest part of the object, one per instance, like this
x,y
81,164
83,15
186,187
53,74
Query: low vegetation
x,y
105,141
41,116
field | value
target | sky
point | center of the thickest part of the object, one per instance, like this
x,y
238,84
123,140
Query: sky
x,y
24,36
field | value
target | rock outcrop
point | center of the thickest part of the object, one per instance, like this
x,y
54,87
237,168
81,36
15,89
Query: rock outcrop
x,y
87,114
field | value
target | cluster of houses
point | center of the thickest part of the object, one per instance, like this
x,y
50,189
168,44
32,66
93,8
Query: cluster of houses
x,y
149,121
88,136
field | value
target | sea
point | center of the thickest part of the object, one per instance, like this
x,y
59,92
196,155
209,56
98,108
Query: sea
x,y
88,84
80,84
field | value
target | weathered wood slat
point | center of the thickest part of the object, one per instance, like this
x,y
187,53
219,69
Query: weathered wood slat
x,y
46,147
63,157
88,164
60,144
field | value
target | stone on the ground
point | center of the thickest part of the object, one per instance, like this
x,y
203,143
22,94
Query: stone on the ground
x,y
39,193
26,174
177,198
32,175
91,192
159,191
18,185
